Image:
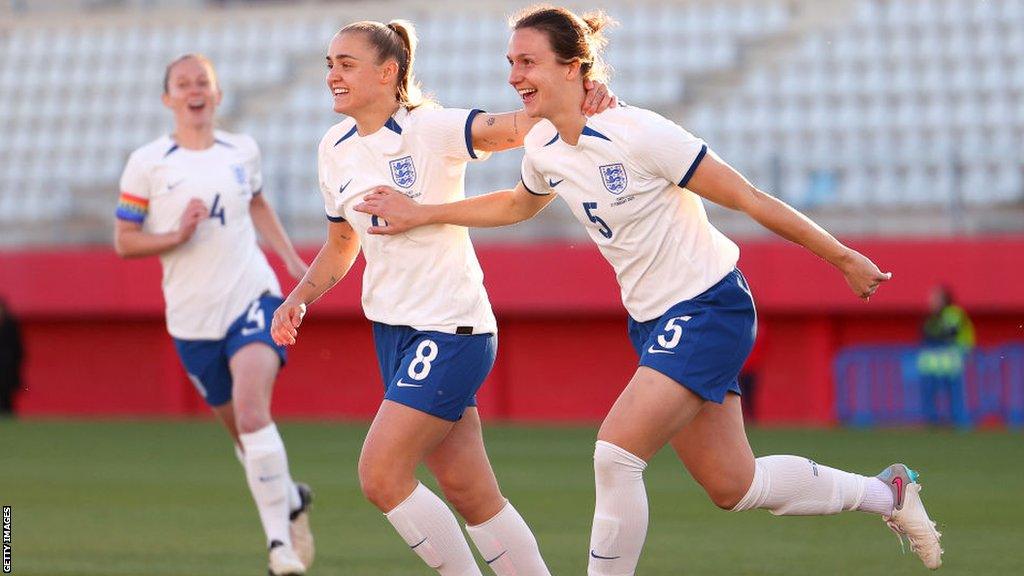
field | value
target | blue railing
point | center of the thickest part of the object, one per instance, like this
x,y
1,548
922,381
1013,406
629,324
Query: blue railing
x,y
885,385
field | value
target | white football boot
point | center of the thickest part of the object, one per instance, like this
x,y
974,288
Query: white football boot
x,y
909,517
284,561
302,535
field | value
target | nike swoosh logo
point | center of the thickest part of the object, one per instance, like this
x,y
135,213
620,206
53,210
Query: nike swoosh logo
x,y
343,186
250,331
175,185
269,478
595,555
402,384
653,350
413,547
898,483
552,183
496,557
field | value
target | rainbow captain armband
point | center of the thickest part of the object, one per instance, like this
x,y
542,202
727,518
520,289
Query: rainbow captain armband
x,y
132,208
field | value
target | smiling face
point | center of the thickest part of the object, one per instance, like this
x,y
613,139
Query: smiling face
x,y
546,86
354,78
192,93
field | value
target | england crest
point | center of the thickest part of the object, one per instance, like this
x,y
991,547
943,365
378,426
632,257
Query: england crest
x,y
239,173
403,172
614,178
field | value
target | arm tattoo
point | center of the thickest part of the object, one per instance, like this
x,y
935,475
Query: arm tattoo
x,y
515,126
311,283
490,120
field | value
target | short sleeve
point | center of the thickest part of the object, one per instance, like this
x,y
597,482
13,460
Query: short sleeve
x,y
255,169
667,150
533,181
450,132
323,175
133,204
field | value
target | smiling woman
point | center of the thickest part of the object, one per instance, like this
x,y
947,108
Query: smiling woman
x,y
194,198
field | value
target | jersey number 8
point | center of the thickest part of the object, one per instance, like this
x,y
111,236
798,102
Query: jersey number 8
x,y
420,367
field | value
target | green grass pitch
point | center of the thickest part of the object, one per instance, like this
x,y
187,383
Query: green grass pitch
x,y
169,498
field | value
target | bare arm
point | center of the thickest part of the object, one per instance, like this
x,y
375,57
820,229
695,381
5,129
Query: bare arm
x,y
269,227
720,183
500,208
130,241
497,132
331,264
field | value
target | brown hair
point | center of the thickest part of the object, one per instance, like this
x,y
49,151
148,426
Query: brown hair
x,y
572,37
201,58
395,40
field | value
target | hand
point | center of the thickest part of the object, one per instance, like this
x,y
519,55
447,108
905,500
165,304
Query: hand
x,y
862,275
296,268
398,212
284,328
194,213
598,98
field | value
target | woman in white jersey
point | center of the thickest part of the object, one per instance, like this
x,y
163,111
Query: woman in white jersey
x,y
635,180
432,321
194,199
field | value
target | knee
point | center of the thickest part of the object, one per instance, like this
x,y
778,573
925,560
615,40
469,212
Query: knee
x,y
726,497
250,417
469,496
612,464
380,484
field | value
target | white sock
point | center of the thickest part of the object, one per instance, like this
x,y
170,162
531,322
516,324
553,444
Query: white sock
x,y
294,500
266,469
796,486
620,514
430,529
507,544
877,498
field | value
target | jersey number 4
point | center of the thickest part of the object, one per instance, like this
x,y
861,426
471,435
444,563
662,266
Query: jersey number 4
x,y
603,227
217,211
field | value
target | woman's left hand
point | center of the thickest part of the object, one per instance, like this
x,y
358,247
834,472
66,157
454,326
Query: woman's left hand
x,y
599,98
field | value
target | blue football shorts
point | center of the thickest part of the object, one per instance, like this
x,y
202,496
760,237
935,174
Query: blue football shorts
x,y
433,372
703,342
206,361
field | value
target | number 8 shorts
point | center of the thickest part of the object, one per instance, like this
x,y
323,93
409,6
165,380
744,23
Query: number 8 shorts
x,y
703,342
433,372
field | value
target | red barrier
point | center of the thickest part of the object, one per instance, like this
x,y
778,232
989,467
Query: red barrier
x,y
97,346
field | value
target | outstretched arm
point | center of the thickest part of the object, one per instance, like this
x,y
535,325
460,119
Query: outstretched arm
x,y
497,132
267,224
720,183
485,211
330,266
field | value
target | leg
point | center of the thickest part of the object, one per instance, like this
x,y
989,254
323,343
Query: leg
x,y
649,412
226,414
399,439
461,466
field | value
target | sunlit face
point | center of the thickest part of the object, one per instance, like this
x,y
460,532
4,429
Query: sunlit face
x,y
192,93
354,78
542,82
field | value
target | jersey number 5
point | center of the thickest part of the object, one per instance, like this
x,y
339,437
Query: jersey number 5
x,y
675,329
603,226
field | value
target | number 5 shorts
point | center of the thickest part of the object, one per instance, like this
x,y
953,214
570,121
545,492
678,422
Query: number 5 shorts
x,y
703,342
206,361
433,372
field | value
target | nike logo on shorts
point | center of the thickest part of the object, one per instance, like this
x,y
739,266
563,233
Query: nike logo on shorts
x,y
653,350
402,384
250,331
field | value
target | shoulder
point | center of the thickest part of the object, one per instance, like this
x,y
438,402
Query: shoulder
x,y
542,134
242,142
433,116
150,153
630,122
337,134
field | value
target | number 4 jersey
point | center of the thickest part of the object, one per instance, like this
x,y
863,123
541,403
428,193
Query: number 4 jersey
x,y
625,181
211,279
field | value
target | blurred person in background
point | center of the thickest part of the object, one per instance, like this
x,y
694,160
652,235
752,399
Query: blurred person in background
x,y
12,355
194,198
947,337
433,327
636,180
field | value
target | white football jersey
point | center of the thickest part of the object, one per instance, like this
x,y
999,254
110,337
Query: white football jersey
x,y
211,279
427,278
625,181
